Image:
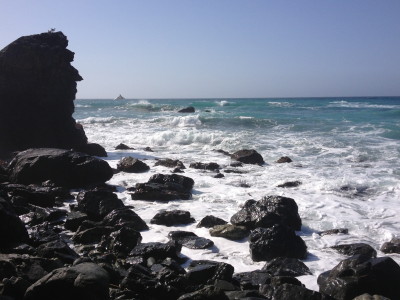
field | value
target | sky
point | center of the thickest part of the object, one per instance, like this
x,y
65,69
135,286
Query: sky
x,y
221,48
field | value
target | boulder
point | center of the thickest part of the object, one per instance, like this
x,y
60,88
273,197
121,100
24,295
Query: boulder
x,y
288,291
229,231
190,240
267,212
94,150
123,147
156,250
286,266
122,242
132,165
12,229
57,249
248,157
289,184
284,159
276,241
210,221
252,280
63,167
361,274
37,90
97,204
208,271
354,249
172,217
91,235
163,187
80,282
208,292
38,195
124,217
74,220
391,247
189,109
204,166
367,296
170,163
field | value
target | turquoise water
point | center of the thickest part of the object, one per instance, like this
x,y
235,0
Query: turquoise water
x,y
345,151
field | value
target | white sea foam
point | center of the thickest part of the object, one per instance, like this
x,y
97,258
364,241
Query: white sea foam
x,y
361,105
224,103
280,104
349,175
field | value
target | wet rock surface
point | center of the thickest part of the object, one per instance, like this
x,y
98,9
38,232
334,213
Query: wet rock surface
x,y
248,157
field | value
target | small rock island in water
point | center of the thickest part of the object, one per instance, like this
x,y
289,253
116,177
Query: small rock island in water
x,y
58,243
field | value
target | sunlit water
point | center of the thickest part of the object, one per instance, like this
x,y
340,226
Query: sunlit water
x,y
345,151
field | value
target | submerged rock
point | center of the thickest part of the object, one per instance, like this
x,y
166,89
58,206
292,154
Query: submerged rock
x,y
63,167
170,163
204,166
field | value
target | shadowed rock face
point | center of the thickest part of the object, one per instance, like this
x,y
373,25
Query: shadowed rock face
x,y
37,90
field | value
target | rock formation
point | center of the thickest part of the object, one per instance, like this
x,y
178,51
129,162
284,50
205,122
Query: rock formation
x,y
37,90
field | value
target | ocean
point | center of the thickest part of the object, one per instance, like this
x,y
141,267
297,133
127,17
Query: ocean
x,y
345,152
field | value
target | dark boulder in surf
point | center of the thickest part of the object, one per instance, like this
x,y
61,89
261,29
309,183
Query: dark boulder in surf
x,y
189,109
132,165
391,247
248,157
37,90
62,167
276,241
267,212
284,159
172,217
361,274
81,282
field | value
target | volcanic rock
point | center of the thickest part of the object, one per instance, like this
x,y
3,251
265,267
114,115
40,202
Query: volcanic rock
x,y
123,147
248,157
37,90
391,247
204,166
97,204
189,109
289,184
210,221
124,217
354,249
361,274
170,163
267,212
190,240
172,217
12,230
132,165
81,282
276,241
158,251
284,159
229,231
63,167
286,266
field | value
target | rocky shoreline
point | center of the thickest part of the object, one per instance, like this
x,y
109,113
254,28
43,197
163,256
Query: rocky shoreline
x,y
65,233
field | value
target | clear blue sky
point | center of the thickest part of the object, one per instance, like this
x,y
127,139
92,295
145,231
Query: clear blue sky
x,y
221,48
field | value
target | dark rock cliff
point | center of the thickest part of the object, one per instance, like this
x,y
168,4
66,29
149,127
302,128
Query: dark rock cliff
x,y
37,90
